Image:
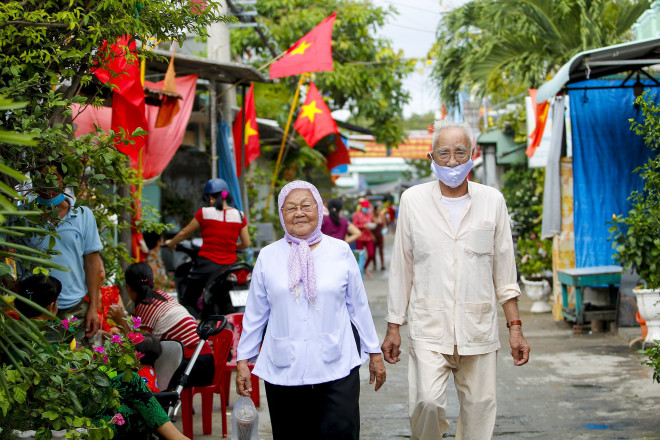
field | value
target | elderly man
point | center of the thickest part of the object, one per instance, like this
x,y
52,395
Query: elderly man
x,y
452,262
79,245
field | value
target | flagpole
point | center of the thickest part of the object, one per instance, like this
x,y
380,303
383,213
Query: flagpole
x,y
138,203
303,77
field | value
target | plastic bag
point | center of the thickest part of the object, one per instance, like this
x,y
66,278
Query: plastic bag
x,y
244,420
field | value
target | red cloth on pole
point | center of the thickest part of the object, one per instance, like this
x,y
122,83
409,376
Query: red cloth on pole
x,y
312,53
162,142
339,155
252,149
314,119
541,111
120,67
170,105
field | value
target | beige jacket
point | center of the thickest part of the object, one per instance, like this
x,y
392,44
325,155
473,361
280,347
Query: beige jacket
x,y
448,283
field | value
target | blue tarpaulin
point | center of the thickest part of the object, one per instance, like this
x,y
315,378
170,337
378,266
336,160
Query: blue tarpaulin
x,y
605,153
227,165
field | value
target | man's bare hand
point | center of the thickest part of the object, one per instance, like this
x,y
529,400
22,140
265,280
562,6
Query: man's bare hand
x,y
391,344
519,346
92,323
377,370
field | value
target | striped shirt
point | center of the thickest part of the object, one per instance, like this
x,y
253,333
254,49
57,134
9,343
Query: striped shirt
x,y
170,320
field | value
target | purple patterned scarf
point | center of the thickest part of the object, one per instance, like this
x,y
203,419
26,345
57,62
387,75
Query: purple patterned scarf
x,y
301,264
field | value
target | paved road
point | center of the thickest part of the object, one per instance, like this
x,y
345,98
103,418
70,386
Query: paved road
x,y
586,386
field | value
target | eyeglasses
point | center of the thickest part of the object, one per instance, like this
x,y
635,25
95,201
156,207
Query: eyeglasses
x,y
444,156
306,208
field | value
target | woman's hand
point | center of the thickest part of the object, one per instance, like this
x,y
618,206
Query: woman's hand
x,y
116,313
170,244
243,379
376,370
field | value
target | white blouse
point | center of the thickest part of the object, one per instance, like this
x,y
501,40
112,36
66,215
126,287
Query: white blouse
x,y
306,344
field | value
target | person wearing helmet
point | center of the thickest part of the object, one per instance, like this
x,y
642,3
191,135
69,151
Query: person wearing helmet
x,y
221,226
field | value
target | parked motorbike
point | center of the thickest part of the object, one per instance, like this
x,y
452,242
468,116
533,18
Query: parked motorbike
x,y
225,291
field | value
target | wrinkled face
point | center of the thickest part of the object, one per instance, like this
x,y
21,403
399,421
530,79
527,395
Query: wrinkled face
x,y
452,148
300,213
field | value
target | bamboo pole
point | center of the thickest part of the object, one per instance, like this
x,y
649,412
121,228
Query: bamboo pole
x,y
303,77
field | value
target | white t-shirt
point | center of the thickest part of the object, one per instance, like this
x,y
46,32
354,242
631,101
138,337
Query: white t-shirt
x,y
457,207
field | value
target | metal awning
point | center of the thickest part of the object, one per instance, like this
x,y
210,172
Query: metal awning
x,y
600,62
223,72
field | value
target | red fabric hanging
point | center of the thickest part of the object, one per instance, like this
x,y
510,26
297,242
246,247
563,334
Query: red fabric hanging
x,y
162,142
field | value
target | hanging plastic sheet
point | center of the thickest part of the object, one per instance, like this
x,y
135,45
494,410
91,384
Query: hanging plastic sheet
x,y
605,153
226,164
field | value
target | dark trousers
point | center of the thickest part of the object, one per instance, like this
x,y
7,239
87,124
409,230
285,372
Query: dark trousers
x,y
195,282
326,411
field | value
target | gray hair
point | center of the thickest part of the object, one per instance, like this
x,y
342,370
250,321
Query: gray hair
x,y
443,124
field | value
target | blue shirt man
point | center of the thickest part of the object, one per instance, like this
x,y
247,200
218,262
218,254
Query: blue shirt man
x,y
79,244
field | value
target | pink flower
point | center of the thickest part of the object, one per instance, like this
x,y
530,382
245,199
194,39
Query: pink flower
x,y
99,349
533,236
105,359
116,338
67,321
136,338
538,243
117,419
139,355
137,322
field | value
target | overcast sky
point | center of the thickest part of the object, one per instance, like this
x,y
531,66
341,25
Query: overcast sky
x,y
413,31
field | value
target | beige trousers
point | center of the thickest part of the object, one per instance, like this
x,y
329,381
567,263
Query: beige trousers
x,y
475,380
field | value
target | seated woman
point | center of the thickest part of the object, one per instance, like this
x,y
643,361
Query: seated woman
x,y
165,318
141,411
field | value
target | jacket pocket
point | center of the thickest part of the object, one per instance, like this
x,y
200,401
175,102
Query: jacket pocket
x,y
481,240
479,325
282,353
427,318
330,346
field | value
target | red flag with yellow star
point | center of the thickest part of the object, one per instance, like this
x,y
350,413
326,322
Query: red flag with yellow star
x,y
312,53
314,119
251,140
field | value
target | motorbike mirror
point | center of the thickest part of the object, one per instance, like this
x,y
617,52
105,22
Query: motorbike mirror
x,y
211,326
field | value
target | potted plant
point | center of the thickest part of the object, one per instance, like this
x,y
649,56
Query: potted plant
x,y
64,389
635,235
534,261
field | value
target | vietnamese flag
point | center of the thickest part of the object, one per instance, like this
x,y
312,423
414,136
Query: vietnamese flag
x,y
251,139
314,119
120,68
312,53
541,111
338,155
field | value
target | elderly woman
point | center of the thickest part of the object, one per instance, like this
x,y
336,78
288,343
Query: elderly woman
x,y
307,288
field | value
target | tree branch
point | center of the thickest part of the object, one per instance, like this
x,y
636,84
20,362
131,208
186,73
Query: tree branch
x,y
33,24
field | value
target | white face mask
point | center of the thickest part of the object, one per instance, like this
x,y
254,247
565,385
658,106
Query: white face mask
x,y
452,176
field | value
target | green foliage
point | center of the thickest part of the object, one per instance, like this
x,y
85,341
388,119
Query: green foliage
x,y
65,387
418,121
523,192
653,361
534,255
46,52
502,47
635,235
368,73
47,49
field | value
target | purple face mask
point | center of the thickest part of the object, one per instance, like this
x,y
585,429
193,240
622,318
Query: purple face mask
x,y
302,275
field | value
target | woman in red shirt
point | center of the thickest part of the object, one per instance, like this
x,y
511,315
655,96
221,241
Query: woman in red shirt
x,y
221,226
